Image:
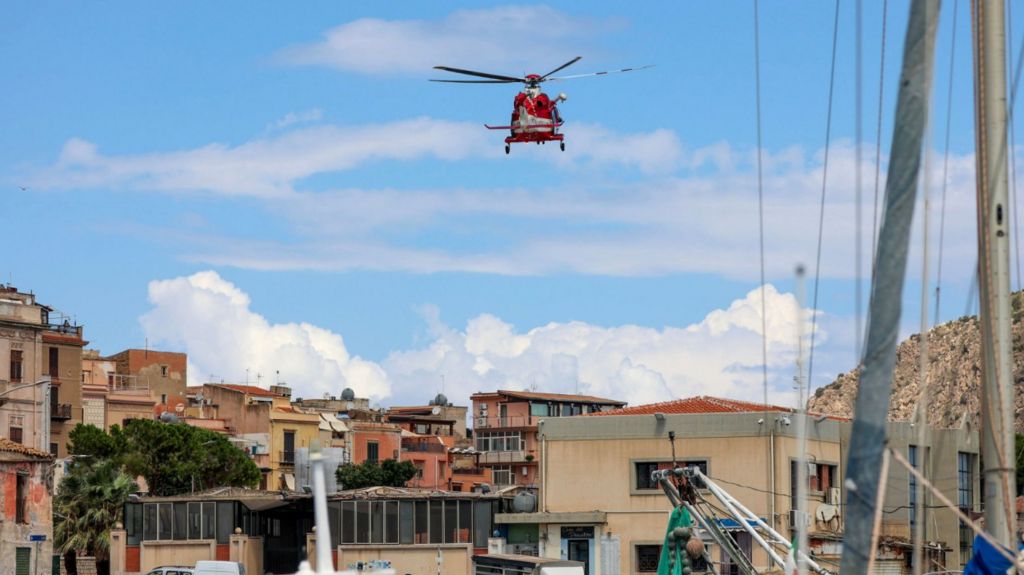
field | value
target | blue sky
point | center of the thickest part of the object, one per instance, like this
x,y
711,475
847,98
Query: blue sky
x,y
282,190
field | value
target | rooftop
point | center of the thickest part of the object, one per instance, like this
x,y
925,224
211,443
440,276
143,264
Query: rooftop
x,y
567,397
6,445
248,389
698,404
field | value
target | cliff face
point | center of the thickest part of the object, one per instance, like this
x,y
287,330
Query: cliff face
x,y
954,376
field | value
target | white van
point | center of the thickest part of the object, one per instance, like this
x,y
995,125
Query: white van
x,y
218,568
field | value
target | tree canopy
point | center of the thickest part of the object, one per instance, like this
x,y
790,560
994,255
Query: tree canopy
x,y
174,458
389,473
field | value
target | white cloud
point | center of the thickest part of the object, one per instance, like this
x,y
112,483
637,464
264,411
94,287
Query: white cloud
x,y
501,40
211,320
720,355
291,118
272,166
215,323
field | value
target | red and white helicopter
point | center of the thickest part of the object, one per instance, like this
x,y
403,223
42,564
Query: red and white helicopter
x,y
535,116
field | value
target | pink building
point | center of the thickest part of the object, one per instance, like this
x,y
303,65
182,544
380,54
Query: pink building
x,y
505,428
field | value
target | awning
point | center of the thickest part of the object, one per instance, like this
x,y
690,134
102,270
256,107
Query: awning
x,y
329,422
730,523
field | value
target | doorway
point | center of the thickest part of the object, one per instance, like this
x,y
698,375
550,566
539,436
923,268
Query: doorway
x,y
579,550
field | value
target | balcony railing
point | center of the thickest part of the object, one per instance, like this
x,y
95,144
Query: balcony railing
x,y
61,411
495,421
424,447
468,471
288,457
507,456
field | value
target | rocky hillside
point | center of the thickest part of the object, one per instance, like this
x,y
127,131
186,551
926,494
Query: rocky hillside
x,y
954,375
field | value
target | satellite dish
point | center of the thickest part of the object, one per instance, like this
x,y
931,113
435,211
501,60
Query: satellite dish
x,y
199,397
435,411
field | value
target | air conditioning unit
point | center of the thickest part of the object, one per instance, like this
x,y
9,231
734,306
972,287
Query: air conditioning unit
x,y
835,496
526,471
812,470
797,518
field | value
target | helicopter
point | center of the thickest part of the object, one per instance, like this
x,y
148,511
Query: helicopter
x,y
535,116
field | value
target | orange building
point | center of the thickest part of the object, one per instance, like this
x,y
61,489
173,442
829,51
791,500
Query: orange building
x,y
505,428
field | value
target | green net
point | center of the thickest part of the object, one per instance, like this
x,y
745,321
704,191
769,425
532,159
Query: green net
x,y
674,560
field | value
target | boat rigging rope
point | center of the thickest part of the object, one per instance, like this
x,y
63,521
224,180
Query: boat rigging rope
x,y
821,214
760,199
878,140
945,164
1013,147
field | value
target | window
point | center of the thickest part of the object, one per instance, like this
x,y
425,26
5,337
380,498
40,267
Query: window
x,y
422,523
391,522
647,558
54,448
15,434
502,475
912,486
539,409
405,518
965,501
288,453
15,366
163,371
54,363
165,521
376,522
195,520
209,511
181,521
820,477
372,451
348,521
21,499
436,521
499,441
644,470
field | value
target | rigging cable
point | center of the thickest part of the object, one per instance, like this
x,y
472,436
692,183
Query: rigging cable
x,y
821,214
945,165
858,216
1013,147
760,198
878,140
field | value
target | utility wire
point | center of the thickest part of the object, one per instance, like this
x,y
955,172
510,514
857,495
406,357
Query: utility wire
x,y
821,214
945,165
878,140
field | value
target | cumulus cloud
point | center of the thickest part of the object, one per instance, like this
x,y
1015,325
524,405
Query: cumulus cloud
x,y
487,39
215,323
721,355
210,319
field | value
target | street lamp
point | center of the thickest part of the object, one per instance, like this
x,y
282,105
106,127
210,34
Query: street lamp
x,y
45,424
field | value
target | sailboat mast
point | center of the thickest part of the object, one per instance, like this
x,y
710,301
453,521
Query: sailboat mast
x,y
868,437
997,400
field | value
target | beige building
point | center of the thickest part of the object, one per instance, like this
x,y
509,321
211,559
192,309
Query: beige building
x,y
38,343
598,504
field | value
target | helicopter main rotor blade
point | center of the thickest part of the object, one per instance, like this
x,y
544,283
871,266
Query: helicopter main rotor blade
x,y
476,81
600,73
480,74
562,67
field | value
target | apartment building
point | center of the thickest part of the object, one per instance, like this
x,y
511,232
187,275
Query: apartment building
x,y
38,344
505,428
599,505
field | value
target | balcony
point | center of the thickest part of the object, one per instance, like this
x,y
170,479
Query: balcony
x,y
423,447
491,457
497,422
468,471
60,411
287,457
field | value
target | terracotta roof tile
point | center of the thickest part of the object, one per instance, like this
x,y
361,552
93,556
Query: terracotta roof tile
x,y
15,447
250,389
699,404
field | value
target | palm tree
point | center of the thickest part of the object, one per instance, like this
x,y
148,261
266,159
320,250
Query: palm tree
x,y
89,501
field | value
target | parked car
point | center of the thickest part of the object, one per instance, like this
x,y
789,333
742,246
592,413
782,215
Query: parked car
x,y
171,570
218,568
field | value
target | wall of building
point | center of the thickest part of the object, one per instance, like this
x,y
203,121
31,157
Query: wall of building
x,y
38,509
419,559
183,553
737,450
388,438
